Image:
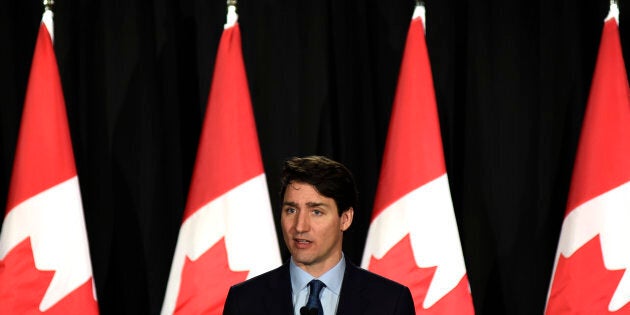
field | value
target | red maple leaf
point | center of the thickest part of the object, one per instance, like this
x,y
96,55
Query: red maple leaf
x,y
22,287
399,265
206,281
582,284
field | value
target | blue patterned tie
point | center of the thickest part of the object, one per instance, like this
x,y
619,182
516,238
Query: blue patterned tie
x,y
316,287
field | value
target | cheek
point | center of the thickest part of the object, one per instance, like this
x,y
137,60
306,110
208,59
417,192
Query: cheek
x,y
331,230
286,224
286,233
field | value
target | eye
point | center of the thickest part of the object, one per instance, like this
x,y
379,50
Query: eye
x,y
289,210
317,212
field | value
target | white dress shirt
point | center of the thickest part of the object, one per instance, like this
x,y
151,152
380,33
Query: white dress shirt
x,y
330,294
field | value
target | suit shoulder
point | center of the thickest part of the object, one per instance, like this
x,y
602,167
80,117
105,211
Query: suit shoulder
x,y
375,279
264,279
267,293
364,292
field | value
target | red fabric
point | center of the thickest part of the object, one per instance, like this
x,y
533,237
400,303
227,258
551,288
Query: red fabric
x,y
399,265
22,286
43,159
581,283
414,128
591,285
414,157
228,156
228,152
603,158
209,275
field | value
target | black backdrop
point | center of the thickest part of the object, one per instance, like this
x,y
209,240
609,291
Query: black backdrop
x,y
511,77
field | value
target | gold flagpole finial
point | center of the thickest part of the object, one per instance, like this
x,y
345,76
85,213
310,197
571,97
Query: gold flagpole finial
x,y
48,4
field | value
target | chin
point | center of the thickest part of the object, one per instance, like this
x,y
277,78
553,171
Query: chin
x,y
302,260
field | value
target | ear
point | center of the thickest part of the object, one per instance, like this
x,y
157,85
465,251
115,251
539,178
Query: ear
x,y
346,219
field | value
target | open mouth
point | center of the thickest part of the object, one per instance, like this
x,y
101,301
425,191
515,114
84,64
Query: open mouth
x,y
302,243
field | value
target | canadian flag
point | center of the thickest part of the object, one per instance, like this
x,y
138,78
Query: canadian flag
x,y
228,232
591,273
44,256
413,237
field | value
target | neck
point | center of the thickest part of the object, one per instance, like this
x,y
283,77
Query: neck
x,y
318,269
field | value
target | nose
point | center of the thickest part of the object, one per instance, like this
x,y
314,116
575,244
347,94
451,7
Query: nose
x,y
302,223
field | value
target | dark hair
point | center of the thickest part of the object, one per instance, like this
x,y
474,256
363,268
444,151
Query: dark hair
x,y
330,178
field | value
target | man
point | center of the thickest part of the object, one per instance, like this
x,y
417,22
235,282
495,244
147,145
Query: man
x,y
318,202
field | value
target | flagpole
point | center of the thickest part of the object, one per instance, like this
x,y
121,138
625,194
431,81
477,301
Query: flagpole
x,y
613,12
48,4
592,242
44,226
420,11
47,18
232,16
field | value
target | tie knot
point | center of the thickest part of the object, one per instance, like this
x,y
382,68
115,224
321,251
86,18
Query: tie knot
x,y
316,287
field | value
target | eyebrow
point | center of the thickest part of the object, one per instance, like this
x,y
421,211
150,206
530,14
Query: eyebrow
x,y
315,204
311,204
289,203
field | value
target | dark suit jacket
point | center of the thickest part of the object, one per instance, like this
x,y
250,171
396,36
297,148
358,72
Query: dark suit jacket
x,y
362,292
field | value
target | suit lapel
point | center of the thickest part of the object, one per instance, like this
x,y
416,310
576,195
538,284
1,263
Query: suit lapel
x,y
279,289
351,289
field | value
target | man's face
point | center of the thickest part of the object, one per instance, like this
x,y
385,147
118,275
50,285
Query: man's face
x,y
312,228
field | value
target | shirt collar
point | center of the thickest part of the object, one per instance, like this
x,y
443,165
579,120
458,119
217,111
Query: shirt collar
x,y
331,278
